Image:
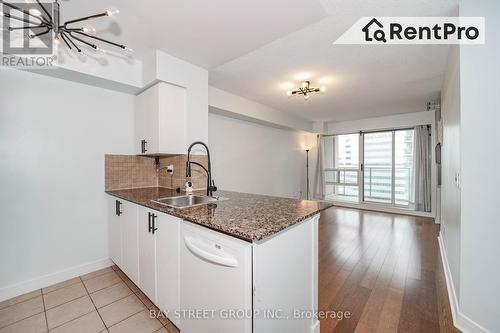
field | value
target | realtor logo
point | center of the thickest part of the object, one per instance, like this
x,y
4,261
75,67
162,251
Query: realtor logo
x,y
27,42
377,34
415,30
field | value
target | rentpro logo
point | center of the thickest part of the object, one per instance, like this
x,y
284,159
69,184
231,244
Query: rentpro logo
x,y
415,30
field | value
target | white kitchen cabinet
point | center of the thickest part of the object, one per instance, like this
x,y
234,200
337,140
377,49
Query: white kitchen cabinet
x,y
115,230
288,260
159,262
145,244
147,252
160,120
168,265
183,267
123,241
130,255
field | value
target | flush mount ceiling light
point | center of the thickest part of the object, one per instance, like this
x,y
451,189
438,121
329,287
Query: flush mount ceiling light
x,y
42,22
305,89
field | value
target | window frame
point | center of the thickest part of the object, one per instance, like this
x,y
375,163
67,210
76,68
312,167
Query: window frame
x,y
360,170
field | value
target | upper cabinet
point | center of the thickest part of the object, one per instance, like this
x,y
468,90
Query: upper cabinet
x,y
160,120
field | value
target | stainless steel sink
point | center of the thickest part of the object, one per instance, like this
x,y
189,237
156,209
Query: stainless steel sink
x,y
186,201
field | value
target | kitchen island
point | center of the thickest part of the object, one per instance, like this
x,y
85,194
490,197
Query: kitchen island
x,y
247,263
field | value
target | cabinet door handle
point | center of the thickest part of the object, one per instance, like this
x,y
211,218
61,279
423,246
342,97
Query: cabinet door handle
x,y
143,146
149,222
154,224
117,207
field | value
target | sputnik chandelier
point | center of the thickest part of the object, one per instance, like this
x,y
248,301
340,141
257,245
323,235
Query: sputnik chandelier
x,y
42,22
306,90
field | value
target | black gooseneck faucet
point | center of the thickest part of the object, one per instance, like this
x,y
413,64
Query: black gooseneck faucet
x,y
210,182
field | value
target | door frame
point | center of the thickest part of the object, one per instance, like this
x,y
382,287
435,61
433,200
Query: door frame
x,y
393,168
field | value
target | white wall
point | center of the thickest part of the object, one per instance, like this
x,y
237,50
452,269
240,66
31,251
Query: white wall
x,y
112,70
386,122
53,137
480,158
254,158
235,106
450,192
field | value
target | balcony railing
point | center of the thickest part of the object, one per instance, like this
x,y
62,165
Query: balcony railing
x,y
377,183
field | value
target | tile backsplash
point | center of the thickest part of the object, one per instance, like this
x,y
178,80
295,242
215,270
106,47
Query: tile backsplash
x,y
131,171
178,179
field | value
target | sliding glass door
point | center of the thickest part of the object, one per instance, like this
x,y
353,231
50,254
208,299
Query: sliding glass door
x,y
371,167
388,167
377,167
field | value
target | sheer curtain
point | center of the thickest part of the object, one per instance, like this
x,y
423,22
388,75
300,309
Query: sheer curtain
x,y
319,185
422,164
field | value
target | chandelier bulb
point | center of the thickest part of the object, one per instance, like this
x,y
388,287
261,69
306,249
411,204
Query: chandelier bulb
x,y
306,97
112,11
289,93
82,55
88,30
304,85
35,12
322,89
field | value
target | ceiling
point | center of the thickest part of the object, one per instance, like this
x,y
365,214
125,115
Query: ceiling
x,y
259,49
205,33
362,80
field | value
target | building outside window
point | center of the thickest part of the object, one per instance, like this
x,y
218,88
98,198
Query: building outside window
x,y
372,167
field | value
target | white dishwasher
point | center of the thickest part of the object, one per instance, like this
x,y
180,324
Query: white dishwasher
x,y
216,282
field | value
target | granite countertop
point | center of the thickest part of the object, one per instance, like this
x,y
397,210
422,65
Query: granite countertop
x,y
246,216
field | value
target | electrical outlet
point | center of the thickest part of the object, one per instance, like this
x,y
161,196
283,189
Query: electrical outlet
x,y
170,168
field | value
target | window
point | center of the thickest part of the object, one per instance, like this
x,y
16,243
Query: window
x,y
341,167
375,167
388,167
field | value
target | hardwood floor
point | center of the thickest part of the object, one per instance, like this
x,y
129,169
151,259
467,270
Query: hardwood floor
x,y
384,270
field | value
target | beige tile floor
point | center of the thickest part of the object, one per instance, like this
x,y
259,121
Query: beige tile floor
x,y
101,301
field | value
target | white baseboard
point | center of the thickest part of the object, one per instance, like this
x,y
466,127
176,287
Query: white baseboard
x,y
381,208
460,320
53,278
315,328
